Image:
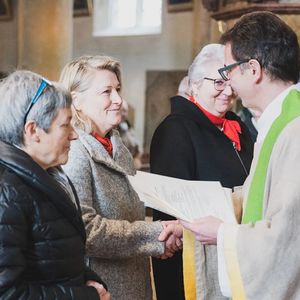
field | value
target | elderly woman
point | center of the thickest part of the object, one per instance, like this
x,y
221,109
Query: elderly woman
x,y
200,140
42,235
119,241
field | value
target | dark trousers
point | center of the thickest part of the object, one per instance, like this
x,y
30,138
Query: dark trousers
x,y
168,273
168,277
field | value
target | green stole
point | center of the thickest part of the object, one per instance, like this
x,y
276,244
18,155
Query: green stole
x,y
255,200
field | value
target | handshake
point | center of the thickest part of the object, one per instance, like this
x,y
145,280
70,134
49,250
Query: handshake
x,y
205,230
171,235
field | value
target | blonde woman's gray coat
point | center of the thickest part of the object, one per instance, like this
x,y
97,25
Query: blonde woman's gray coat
x,y
119,241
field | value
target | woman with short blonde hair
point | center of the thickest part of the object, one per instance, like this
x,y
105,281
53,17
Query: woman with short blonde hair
x,y
119,241
77,76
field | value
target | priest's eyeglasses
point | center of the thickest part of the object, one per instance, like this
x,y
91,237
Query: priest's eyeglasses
x,y
226,69
41,89
219,84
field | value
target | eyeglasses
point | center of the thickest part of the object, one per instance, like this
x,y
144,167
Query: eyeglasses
x,y
37,95
225,70
219,84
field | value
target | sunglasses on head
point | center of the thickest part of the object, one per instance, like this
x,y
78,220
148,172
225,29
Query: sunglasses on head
x,y
44,84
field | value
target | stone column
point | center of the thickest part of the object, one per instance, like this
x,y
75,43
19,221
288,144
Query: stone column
x,y
45,35
201,27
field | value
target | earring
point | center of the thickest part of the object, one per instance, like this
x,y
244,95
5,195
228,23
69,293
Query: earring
x,y
75,108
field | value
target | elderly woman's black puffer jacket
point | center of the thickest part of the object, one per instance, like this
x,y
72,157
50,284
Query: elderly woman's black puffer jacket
x,y
42,237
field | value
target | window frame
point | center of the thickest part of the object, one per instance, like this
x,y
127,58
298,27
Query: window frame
x,y
108,30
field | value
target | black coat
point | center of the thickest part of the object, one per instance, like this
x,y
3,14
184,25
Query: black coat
x,y
187,145
42,237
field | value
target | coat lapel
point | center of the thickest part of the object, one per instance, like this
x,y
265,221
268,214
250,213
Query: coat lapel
x,y
121,161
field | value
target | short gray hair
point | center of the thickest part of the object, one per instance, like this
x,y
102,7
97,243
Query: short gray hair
x,y
16,93
208,54
77,76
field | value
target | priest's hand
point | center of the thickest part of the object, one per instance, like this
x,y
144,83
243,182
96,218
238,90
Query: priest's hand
x,y
205,229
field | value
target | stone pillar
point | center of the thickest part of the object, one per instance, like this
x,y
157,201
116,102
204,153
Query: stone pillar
x,y
45,35
201,27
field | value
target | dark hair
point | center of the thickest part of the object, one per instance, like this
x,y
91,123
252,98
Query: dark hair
x,y
265,37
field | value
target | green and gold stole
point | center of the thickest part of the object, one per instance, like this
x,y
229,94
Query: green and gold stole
x,y
254,205
255,200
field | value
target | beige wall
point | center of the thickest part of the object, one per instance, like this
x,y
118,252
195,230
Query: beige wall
x,y
29,42
172,50
8,42
45,35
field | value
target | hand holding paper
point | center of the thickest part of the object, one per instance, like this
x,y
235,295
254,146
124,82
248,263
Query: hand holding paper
x,y
204,229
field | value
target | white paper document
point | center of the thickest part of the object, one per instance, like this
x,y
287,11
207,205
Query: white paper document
x,y
184,199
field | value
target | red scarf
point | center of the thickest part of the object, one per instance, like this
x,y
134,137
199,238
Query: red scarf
x,y
106,142
231,128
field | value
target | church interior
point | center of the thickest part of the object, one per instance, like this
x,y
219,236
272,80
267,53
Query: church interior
x,y
155,42
42,35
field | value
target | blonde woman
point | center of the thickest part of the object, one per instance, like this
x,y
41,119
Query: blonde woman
x,y
119,241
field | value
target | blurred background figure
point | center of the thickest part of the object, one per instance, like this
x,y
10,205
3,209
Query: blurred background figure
x,y
42,234
183,88
200,140
249,117
129,137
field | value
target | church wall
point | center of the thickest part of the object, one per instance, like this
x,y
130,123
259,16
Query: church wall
x,y
171,50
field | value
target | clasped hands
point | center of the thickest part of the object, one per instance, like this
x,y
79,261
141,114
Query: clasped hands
x,y
171,235
204,229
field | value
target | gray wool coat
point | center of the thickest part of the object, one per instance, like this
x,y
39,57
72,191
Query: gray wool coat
x,y
119,241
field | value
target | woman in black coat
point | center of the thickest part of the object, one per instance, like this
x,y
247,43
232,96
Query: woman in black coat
x,y
199,140
42,236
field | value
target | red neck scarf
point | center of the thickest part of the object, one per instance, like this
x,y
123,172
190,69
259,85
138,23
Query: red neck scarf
x,y
230,128
106,142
